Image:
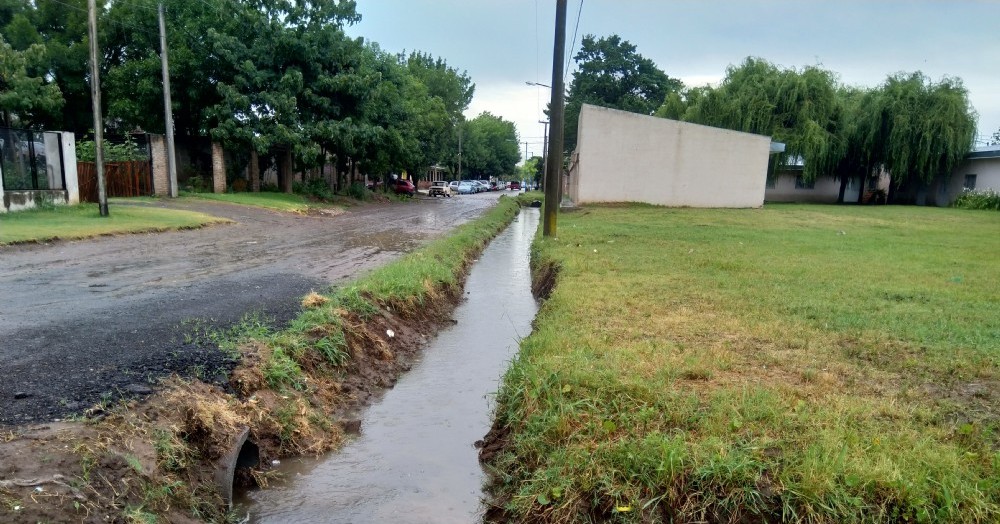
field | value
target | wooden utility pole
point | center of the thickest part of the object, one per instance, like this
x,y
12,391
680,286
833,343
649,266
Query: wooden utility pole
x,y
168,117
95,97
554,161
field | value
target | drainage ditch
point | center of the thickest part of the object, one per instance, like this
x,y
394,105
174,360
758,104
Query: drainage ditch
x,y
414,459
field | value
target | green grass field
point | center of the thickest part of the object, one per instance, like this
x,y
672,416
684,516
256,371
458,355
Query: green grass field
x,y
793,363
84,221
289,202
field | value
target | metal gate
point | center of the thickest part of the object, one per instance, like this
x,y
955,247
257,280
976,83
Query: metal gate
x,y
31,160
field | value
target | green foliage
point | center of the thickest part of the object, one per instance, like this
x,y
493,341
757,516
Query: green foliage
x,y
978,199
358,191
281,371
27,98
314,187
86,151
610,73
802,109
490,147
916,129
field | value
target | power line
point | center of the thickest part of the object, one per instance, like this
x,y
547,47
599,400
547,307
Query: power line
x,y
569,57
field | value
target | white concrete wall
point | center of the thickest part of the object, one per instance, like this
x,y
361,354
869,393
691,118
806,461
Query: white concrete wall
x,y
68,144
987,171
627,157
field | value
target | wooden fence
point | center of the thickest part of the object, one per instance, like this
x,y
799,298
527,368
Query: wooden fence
x,y
121,179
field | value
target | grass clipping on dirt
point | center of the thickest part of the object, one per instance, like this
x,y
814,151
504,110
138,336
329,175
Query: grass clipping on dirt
x,y
792,363
155,461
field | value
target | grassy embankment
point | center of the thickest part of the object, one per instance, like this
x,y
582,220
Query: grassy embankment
x,y
793,363
84,221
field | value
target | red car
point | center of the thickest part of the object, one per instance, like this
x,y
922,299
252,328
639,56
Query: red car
x,y
515,186
403,187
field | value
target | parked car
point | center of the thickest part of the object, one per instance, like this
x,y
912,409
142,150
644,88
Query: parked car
x,y
453,185
515,186
439,188
478,186
466,187
403,187
486,184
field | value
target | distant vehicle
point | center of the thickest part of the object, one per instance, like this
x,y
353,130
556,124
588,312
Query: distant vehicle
x,y
479,186
488,185
439,188
515,186
466,187
453,185
403,187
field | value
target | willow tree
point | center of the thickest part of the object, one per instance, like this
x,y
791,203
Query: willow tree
x,y
800,108
915,129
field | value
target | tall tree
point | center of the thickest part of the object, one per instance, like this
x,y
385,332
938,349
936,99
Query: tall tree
x,y
802,109
490,148
916,129
610,73
25,99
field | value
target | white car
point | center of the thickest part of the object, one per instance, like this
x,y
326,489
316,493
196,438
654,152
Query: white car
x,y
439,188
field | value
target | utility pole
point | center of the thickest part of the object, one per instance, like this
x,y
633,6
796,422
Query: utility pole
x,y
545,151
554,162
168,117
460,153
95,97
525,152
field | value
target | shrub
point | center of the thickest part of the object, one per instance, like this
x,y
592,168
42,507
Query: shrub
x,y
314,187
978,199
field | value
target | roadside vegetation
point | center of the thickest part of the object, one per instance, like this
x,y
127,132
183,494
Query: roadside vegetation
x,y
50,222
288,202
793,363
978,199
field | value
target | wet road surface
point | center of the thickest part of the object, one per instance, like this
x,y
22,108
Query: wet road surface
x,y
83,322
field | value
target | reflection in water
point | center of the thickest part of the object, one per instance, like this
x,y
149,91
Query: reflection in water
x,y
414,461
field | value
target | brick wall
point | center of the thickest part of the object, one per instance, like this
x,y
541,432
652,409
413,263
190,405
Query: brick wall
x,y
161,177
218,168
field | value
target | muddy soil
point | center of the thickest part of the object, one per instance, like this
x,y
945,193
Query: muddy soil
x,y
89,322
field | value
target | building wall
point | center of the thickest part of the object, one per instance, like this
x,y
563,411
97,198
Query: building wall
x,y
626,157
825,189
987,171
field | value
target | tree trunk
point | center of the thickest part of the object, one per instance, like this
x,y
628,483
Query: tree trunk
x,y
254,171
863,189
890,197
285,171
843,189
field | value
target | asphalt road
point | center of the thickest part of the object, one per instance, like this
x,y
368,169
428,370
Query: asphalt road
x,y
92,321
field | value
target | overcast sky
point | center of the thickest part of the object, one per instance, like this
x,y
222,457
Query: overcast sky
x,y
504,43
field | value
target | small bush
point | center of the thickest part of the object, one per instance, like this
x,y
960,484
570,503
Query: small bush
x,y
978,199
358,191
314,187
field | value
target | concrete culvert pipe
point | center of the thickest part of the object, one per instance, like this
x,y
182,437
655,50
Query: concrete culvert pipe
x,y
243,454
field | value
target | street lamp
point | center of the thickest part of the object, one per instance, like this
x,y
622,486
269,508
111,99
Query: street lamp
x,y
537,84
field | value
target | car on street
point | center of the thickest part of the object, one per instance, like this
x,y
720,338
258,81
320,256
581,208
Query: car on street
x,y
403,187
466,187
515,186
439,188
453,185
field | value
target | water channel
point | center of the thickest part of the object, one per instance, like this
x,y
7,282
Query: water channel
x,y
414,460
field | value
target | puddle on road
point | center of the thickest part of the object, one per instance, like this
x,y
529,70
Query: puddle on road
x,y
414,461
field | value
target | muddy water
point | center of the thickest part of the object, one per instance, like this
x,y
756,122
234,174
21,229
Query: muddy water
x,y
414,461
